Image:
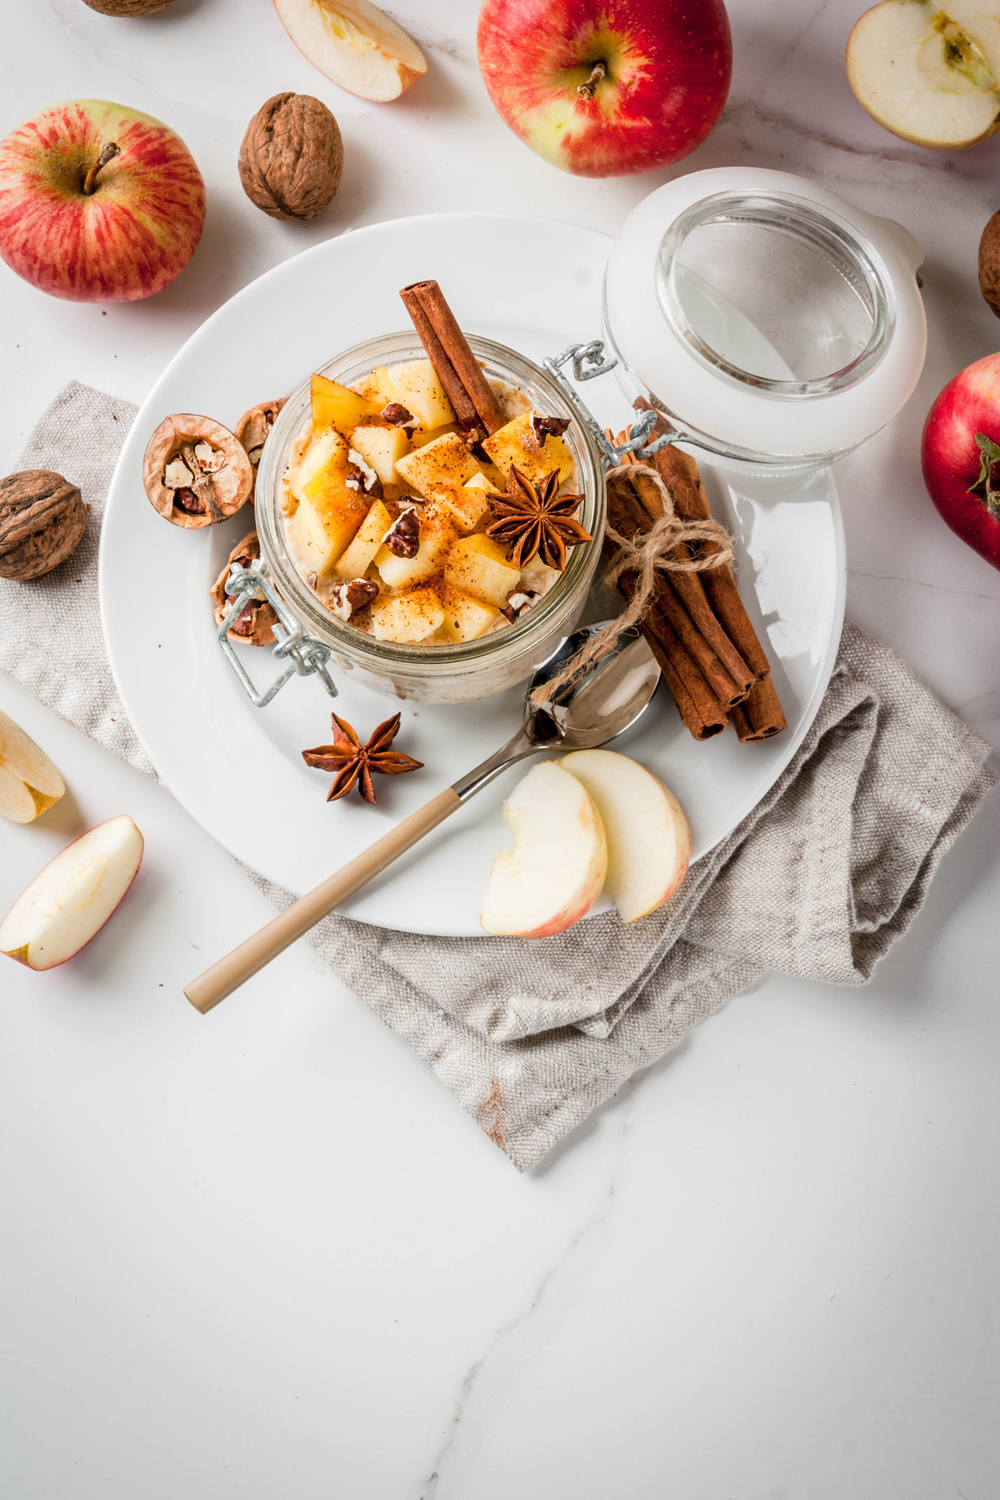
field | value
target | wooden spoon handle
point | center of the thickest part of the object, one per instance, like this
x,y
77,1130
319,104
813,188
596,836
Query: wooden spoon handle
x,y
240,965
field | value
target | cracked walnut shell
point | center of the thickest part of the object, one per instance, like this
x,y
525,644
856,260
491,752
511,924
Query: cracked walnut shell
x,y
254,428
253,624
42,519
291,157
195,471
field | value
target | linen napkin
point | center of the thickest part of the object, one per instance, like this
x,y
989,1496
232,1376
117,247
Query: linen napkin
x,y
819,881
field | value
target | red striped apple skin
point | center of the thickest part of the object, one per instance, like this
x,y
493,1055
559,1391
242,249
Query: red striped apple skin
x,y
969,403
129,238
668,69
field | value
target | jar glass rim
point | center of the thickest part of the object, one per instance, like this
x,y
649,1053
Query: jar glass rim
x,y
820,230
536,624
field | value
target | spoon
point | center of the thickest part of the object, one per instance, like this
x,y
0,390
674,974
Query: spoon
x,y
579,717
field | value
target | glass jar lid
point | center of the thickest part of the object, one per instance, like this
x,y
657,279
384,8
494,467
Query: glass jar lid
x,y
766,314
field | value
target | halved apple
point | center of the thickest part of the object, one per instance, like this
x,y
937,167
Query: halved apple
x,y
71,899
29,782
355,44
649,842
553,874
929,72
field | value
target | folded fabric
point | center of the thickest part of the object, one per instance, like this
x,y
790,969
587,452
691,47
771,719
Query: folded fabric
x,y
819,881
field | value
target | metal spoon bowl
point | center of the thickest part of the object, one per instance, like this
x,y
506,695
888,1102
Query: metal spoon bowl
x,y
599,706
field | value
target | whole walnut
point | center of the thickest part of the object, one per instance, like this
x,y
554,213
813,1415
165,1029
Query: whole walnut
x,y
128,7
291,157
42,518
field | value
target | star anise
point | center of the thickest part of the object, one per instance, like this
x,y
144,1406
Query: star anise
x,y
536,518
353,763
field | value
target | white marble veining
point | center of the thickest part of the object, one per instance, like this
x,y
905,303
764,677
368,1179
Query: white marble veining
x,y
264,1253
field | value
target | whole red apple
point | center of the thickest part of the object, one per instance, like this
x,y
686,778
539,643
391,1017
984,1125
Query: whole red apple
x,y
960,451
604,88
98,203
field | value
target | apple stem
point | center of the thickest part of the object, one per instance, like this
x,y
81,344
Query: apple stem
x,y
589,88
108,153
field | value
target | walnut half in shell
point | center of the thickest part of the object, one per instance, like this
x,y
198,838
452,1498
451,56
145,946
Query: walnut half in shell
x,y
255,620
195,471
254,428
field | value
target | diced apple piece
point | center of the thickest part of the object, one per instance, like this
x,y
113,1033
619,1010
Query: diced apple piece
x,y
553,874
381,447
478,565
416,386
515,444
355,562
355,44
421,436
649,842
375,387
465,618
322,528
437,537
29,782
336,405
407,617
72,898
446,462
325,458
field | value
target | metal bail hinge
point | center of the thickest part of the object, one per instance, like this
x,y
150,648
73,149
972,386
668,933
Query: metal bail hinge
x,y
305,655
588,362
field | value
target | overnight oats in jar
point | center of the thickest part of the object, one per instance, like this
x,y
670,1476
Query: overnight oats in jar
x,y
442,553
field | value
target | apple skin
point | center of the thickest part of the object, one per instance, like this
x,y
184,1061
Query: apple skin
x,y
969,403
668,71
127,239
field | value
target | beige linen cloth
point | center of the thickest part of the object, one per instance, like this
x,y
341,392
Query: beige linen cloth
x,y
818,881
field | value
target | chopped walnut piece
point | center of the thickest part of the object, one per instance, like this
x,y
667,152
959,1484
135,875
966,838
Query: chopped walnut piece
x,y
348,597
544,427
517,601
177,475
403,536
398,416
210,460
364,479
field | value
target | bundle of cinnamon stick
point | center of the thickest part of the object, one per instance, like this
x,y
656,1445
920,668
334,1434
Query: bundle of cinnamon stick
x,y
697,627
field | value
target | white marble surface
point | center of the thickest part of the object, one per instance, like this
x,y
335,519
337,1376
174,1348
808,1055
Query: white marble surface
x,y
265,1254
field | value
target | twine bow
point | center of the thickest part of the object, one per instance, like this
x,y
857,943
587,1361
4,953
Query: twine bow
x,y
662,549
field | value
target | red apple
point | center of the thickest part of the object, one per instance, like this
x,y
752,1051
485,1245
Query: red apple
x,y
960,451
604,88
98,203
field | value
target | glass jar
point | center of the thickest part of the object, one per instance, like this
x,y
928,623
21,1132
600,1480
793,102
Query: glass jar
x,y
438,673
776,325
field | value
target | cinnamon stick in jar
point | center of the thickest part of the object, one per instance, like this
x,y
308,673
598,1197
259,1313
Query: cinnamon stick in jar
x,y
457,368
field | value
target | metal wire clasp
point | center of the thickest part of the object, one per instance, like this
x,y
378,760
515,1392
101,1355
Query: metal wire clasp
x,y
589,361
305,655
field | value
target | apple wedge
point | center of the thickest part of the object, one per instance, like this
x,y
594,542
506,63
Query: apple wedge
x,y
355,44
29,782
554,873
71,899
649,842
928,72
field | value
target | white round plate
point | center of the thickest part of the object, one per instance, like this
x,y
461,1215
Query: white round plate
x,y
534,285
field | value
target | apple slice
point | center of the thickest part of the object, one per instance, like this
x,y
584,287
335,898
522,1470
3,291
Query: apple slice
x,y
553,874
71,899
335,405
355,44
649,842
930,73
29,782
